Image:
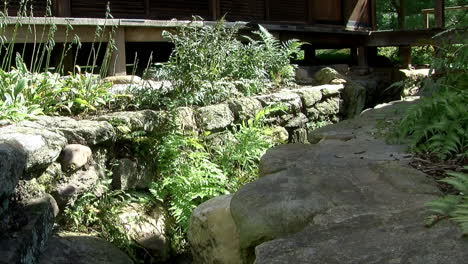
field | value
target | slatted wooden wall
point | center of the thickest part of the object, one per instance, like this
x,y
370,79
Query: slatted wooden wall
x,y
118,8
246,10
180,9
38,7
288,11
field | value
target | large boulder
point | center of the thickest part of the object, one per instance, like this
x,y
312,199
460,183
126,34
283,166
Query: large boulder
x,y
79,182
353,95
245,107
350,198
27,232
130,174
285,98
78,248
310,95
84,132
129,121
212,233
40,146
215,117
148,228
12,166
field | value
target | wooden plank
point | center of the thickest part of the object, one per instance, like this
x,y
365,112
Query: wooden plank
x,y
439,13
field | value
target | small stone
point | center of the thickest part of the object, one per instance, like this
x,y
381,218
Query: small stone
x,y
75,156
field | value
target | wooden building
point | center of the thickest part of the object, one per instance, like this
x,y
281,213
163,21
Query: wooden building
x,y
351,13
322,23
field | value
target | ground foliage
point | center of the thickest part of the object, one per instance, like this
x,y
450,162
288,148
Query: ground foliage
x,y
437,127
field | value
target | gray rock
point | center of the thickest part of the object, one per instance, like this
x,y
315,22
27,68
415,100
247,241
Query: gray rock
x,y
329,75
280,135
299,136
310,95
41,147
78,248
23,246
129,121
304,75
147,228
352,199
295,121
75,156
354,95
215,117
331,89
285,97
130,175
12,166
321,111
81,181
397,239
244,108
212,233
185,118
84,132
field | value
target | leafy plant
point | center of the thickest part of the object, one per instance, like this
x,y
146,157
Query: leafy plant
x,y
188,176
24,94
100,214
210,63
454,207
438,124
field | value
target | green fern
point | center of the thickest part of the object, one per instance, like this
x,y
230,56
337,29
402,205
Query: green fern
x,y
454,207
438,125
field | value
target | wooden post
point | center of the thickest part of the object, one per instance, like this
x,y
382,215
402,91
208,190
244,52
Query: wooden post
x,y
309,53
215,9
439,13
374,14
405,56
62,8
363,60
117,65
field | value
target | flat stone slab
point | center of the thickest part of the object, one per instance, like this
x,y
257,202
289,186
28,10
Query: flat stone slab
x,y
349,198
79,248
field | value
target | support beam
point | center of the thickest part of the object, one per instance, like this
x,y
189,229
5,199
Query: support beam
x,y
439,13
117,65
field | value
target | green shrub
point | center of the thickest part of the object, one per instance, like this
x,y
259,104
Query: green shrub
x,y
24,94
454,206
210,63
100,214
189,178
438,125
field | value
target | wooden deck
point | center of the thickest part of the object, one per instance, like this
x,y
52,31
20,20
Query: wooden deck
x,y
141,30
